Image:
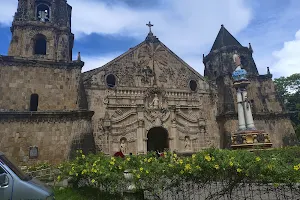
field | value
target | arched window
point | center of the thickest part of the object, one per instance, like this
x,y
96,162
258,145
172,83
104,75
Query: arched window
x,y
111,80
43,12
40,45
34,102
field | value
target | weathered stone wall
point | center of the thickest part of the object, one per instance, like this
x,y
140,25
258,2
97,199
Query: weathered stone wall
x,y
57,84
276,126
57,48
55,135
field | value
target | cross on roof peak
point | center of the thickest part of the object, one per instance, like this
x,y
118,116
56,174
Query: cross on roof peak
x,y
149,25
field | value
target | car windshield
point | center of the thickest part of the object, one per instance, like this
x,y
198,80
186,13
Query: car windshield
x,y
14,168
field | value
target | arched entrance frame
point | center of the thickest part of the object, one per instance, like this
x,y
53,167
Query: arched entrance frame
x,y
157,139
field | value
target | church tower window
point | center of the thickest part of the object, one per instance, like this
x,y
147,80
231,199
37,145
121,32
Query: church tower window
x,y
40,45
43,12
34,102
111,80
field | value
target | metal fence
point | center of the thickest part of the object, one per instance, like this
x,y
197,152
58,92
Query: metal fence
x,y
201,191
183,190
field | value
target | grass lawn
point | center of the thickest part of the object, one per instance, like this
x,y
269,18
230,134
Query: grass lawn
x,y
83,194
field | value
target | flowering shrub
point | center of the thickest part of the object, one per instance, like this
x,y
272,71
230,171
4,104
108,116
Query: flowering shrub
x,y
268,166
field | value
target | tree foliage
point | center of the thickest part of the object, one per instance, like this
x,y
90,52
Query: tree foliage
x,y
288,89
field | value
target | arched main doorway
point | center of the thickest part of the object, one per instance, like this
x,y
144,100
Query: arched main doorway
x,y
157,139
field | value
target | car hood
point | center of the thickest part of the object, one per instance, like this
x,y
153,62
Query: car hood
x,y
42,185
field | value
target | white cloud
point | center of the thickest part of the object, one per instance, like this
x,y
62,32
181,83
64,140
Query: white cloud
x,y
97,61
7,10
288,58
186,27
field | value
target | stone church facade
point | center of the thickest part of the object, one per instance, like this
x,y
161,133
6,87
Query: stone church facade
x,y
146,99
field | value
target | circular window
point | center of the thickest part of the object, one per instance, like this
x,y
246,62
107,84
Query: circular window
x,y
111,80
193,85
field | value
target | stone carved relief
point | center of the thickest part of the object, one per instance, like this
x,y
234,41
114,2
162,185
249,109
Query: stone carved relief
x,y
150,63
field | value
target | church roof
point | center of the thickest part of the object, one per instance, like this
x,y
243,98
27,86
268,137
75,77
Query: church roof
x,y
224,38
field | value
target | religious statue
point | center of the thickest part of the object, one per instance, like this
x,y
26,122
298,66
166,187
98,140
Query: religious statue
x,y
123,145
155,103
202,131
43,16
237,60
187,143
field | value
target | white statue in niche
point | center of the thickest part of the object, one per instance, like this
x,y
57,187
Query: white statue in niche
x,y
187,143
155,102
123,145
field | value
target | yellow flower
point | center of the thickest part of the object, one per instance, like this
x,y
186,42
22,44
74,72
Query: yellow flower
x,y
138,176
93,181
120,167
198,167
113,159
141,169
80,151
187,167
181,161
257,159
231,163
194,156
149,160
217,167
270,167
83,156
239,170
175,155
128,159
207,157
112,162
147,172
296,167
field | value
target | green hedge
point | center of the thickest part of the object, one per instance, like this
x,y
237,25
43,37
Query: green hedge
x,y
263,166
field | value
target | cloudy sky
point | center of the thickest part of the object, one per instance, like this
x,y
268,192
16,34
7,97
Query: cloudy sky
x,y
105,29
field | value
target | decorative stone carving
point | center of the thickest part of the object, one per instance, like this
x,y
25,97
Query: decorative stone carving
x,y
155,104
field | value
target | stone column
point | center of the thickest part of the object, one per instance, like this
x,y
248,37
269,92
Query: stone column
x,y
140,131
140,137
173,137
248,112
241,114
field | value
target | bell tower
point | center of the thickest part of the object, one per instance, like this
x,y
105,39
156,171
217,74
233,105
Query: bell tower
x,y
41,30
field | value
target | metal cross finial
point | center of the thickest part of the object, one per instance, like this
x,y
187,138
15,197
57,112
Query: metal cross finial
x,y
149,25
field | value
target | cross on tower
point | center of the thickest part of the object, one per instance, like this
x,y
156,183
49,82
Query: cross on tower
x,y
149,25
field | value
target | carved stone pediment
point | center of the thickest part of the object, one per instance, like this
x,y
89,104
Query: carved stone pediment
x,y
159,114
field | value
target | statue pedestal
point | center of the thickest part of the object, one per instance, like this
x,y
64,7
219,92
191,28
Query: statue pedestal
x,y
250,139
